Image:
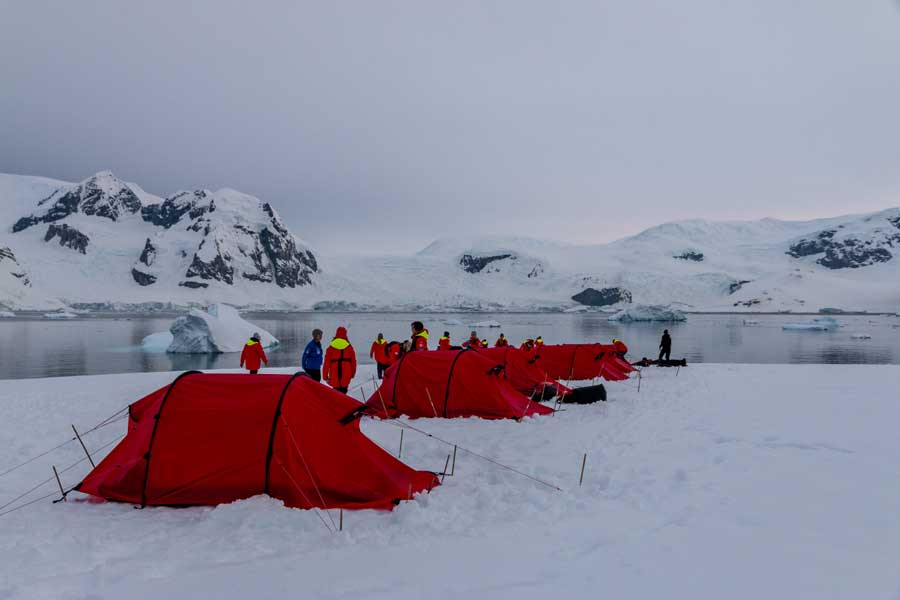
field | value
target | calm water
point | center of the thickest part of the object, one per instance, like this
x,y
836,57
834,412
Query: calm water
x,y
111,344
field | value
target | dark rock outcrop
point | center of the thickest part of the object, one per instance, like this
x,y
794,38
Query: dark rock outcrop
x,y
291,266
808,247
604,297
142,278
690,255
476,264
219,269
102,195
852,254
735,286
148,254
173,209
193,284
7,255
69,237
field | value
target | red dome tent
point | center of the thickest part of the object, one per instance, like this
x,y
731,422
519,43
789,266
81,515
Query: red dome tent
x,y
207,439
582,361
450,383
522,373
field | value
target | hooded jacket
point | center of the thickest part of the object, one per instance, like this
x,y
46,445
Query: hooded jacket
x,y
340,360
252,354
420,340
444,343
378,351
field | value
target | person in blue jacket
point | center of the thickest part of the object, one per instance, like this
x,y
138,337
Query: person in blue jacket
x,y
313,355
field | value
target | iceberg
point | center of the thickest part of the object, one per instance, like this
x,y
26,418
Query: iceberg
x,y
5,314
217,329
60,315
819,324
157,342
488,323
648,312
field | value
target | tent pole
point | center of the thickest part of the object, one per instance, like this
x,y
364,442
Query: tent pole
x,y
583,462
341,525
83,447
400,451
431,402
446,465
59,483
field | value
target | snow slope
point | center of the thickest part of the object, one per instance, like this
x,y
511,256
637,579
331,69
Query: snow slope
x,y
199,247
719,481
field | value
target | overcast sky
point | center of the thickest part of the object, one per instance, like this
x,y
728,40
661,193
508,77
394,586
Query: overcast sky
x,y
378,126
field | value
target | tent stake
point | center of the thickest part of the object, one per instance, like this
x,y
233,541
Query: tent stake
x,y
453,466
59,483
341,521
676,371
583,462
446,464
400,451
639,382
83,447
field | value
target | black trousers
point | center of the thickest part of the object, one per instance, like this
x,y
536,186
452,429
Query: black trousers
x,y
381,369
253,371
342,390
314,373
664,352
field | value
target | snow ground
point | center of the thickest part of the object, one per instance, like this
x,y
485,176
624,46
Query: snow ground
x,y
716,481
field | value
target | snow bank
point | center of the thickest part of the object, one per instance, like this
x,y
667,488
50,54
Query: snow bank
x,y
818,324
218,329
648,312
488,323
694,487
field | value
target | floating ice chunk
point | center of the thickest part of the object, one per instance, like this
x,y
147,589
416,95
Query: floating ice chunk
x,y
648,312
218,329
488,323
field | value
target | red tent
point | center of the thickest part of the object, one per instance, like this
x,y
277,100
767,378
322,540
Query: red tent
x,y
522,373
207,439
450,383
582,361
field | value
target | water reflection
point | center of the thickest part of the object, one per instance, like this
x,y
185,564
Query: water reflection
x,y
42,348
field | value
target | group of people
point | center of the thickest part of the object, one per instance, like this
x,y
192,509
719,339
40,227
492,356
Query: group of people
x,y
336,364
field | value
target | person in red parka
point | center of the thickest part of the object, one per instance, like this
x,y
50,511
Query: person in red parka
x,y
527,345
252,354
378,351
444,342
501,342
620,348
340,361
473,341
419,336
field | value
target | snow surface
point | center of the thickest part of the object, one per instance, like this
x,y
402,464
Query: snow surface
x,y
712,482
217,329
642,312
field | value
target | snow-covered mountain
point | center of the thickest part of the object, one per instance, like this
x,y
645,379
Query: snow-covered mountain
x,y
104,241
